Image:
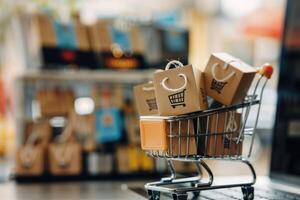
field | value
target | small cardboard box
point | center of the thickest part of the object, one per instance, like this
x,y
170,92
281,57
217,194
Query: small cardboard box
x,y
177,90
222,144
30,160
65,158
145,99
175,139
228,79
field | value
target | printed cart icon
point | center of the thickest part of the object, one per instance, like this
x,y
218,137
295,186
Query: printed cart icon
x,y
152,104
217,85
177,99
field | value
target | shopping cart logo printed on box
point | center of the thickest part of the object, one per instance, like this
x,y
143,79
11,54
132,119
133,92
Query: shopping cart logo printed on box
x,y
177,99
218,86
151,104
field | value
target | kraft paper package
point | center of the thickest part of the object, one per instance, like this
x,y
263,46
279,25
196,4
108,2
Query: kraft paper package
x,y
65,158
227,79
179,90
84,127
42,128
145,99
224,144
54,33
30,160
30,157
154,136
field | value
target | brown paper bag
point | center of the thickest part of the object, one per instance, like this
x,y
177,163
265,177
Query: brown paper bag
x,y
100,36
46,30
177,91
65,158
81,34
154,136
227,79
84,127
145,99
42,128
30,160
55,102
224,144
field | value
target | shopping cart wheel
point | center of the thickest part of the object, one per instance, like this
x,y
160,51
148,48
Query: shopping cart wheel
x,y
196,194
153,195
183,196
248,192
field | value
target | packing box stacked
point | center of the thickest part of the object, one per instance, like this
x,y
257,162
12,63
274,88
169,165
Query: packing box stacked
x,y
182,90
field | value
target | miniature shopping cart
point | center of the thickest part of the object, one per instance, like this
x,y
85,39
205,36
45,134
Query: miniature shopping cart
x,y
202,136
152,104
177,99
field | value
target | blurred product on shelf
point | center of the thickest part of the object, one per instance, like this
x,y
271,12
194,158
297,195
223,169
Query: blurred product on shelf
x,y
65,158
219,144
64,43
41,128
55,102
177,90
100,163
145,99
109,125
110,43
84,128
228,79
31,157
30,160
132,159
131,123
65,154
175,43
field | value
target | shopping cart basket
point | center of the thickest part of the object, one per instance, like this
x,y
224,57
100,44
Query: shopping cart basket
x,y
198,137
152,104
217,85
177,99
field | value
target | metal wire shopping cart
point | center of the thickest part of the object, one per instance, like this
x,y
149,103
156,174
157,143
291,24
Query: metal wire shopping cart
x,y
177,99
201,136
152,104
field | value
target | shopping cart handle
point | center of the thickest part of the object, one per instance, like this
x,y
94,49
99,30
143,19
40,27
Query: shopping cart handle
x,y
266,70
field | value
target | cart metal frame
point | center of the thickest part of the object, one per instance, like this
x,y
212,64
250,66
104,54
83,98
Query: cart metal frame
x,y
180,187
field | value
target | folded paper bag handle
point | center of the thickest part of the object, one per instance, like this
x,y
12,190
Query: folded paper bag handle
x,y
147,89
213,71
163,83
176,63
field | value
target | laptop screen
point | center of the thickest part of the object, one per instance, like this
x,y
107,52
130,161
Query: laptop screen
x,y
286,140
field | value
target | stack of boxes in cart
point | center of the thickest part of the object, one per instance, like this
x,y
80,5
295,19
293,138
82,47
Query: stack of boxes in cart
x,y
183,90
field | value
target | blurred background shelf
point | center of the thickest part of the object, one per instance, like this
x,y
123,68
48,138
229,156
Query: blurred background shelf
x,y
115,76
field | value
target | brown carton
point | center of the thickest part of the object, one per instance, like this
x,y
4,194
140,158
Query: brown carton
x,y
177,90
175,139
228,79
218,142
145,99
30,160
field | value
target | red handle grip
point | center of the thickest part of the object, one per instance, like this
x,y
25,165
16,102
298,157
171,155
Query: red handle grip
x,y
266,70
